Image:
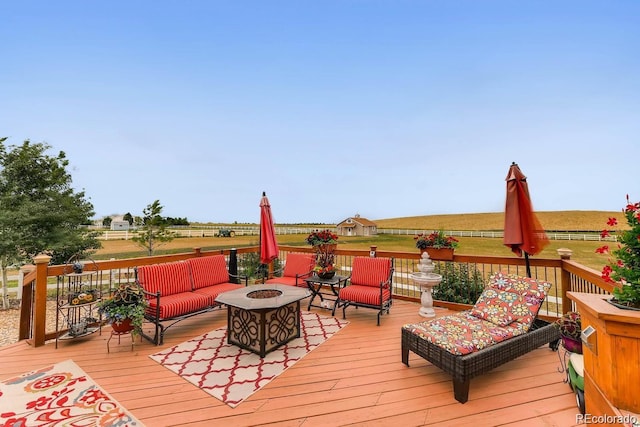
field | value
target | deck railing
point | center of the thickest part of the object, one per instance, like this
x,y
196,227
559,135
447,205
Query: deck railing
x,y
466,272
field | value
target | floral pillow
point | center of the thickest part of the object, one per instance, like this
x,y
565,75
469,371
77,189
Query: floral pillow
x,y
526,286
501,308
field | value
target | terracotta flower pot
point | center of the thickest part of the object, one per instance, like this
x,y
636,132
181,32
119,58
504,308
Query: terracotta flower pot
x,y
122,327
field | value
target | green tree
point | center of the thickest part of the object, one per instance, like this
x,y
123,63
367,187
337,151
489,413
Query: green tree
x,y
39,210
154,228
106,221
128,217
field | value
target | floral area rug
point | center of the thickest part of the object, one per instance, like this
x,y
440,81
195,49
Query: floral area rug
x,y
232,374
59,395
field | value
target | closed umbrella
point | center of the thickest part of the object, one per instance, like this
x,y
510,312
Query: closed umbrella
x,y
268,244
522,230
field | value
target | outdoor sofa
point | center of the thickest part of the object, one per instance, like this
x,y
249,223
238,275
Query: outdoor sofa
x,y
178,290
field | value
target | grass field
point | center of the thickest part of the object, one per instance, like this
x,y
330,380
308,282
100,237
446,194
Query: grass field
x,y
583,252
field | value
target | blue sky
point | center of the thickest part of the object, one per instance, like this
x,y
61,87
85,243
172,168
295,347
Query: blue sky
x,y
382,108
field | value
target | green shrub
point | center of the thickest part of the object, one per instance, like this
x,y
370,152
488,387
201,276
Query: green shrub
x,y
461,283
249,265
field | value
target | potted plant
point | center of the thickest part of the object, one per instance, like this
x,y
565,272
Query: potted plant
x,y
570,327
323,237
324,243
125,308
625,269
437,244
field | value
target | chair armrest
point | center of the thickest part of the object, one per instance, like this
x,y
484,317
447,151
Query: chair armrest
x,y
304,275
240,278
153,295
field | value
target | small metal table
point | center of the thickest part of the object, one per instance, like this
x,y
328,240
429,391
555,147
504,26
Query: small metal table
x,y
317,284
261,318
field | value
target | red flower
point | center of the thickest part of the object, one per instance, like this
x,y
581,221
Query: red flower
x,y
604,233
612,222
603,250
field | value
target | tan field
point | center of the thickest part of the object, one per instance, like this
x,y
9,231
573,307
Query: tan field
x,y
557,220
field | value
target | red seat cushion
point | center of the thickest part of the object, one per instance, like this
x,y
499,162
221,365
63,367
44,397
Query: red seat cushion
x,y
208,270
364,294
168,278
298,263
366,271
178,304
212,292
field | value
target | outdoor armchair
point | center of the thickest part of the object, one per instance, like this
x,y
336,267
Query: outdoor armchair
x,y
370,286
297,267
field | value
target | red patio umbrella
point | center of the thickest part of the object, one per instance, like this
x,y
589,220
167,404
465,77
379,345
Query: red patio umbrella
x,y
522,230
268,244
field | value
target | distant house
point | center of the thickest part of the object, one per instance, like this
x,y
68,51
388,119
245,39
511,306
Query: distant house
x,y
357,226
119,225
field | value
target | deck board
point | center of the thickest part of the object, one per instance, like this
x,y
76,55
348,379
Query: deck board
x,y
356,377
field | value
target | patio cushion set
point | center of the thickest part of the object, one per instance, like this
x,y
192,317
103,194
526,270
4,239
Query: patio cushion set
x,y
500,327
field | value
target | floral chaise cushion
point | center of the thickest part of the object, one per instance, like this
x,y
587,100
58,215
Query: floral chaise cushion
x,y
526,286
462,333
506,308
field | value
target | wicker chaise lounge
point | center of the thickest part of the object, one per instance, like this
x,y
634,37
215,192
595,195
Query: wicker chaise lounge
x,y
499,328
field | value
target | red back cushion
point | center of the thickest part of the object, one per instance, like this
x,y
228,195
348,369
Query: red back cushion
x,y
368,271
298,263
208,270
168,278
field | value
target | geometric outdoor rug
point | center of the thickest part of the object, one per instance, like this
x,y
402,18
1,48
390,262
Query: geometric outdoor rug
x,y
232,374
59,395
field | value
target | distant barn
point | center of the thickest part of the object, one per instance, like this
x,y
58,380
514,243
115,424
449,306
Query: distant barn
x,y
357,226
119,225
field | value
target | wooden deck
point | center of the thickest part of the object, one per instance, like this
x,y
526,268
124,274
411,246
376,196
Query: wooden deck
x,y
354,378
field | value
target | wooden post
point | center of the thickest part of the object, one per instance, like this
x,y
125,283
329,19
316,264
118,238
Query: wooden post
x,y
26,301
40,301
565,281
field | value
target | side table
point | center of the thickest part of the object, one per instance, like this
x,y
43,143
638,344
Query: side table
x,y
316,286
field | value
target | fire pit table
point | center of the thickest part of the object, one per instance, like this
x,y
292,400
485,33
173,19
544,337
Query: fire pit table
x,y
261,318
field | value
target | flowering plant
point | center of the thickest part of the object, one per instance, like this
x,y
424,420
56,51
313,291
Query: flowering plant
x,y
625,269
323,243
437,240
569,325
126,302
320,270
323,237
